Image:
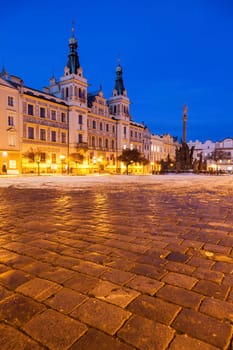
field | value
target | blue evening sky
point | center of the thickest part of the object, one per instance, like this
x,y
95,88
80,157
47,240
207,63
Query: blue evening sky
x,y
173,52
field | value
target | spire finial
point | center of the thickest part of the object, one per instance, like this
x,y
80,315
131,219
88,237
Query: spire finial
x,y
73,23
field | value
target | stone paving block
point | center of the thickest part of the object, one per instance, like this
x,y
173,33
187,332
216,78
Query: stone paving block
x,y
179,248
82,283
180,296
148,271
120,264
179,267
66,261
154,309
54,330
203,327
228,280
89,268
192,244
223,266
36,267
183,342
178,257
217,248
66,300
201,262
179,280
8,257
18,309
39,289
207,274
212,289
146,334
13,339
117,276
106,317
114,293
220,309
145,284
57,274
96,340
13,278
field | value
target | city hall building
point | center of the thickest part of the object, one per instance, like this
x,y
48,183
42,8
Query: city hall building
x,y
64,129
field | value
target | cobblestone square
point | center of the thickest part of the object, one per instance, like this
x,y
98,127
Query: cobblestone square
x,y
116,262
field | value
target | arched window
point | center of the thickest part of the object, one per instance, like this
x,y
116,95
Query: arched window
x,y
67,92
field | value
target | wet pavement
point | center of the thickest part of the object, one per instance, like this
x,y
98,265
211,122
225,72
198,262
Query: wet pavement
x,y
120,267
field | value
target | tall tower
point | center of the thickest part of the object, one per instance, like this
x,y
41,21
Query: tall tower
x,y
73,59
119,108
185,110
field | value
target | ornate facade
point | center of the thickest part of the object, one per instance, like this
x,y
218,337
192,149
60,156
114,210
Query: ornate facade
x,y
65,129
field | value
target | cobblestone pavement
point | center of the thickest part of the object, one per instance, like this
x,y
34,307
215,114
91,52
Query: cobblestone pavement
x,y
117,267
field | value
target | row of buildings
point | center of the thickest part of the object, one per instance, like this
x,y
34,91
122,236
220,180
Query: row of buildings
x,y
215,156
65,129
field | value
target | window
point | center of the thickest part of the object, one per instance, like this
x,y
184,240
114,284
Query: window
x,y
93,141
113,128
125,130
107,127
63,137
42,112
94,124
10,121
100,143
131,133
12,164
53,136
101,126
42,134
80,119
12,139
113,144
43,157
63,117
10,101
30,109
54,158
53,115
80,138
30,133
106,143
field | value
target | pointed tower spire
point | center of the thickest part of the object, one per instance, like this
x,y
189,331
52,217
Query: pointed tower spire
x,y
73,59
119,88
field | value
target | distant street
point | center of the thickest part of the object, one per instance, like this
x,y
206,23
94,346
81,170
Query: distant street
x,y
116,263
